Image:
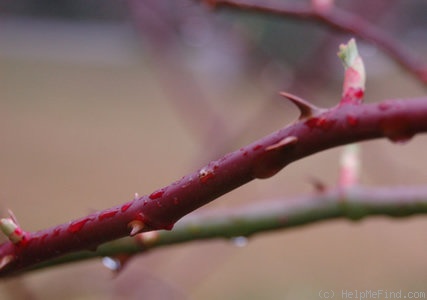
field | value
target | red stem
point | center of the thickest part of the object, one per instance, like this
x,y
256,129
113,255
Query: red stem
x,y
336,19
397,120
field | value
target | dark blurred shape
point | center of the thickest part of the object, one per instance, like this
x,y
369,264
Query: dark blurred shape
x,y
66,9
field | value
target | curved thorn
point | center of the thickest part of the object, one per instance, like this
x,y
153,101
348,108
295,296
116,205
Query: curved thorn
x,y
135,226
287,141
5,260
12,216
306,108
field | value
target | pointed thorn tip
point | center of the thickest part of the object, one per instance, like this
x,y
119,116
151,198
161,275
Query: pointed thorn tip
x,y
5,260
135,226
306,108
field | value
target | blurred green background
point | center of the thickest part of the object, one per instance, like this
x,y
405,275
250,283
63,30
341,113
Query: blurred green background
x,y
102,99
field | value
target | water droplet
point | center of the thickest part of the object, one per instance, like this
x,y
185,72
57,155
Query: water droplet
x,y
240,241
112,264
106,215
157,194
77,225
352,120
206,174
397,130
126,206
400,139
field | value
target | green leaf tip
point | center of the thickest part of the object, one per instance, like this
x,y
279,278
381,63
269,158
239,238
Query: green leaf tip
x,y
10,229
348,53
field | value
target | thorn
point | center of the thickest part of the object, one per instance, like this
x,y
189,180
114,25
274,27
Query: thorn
x,y
306,108
12,216
135,226
318,185
270,163
5,260
136,196
287,141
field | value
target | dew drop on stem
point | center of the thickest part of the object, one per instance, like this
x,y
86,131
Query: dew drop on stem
x,y
239,241
206,174
396,130
112,264
400,139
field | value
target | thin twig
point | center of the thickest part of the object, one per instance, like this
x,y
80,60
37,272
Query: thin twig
x,y
336,19
352,204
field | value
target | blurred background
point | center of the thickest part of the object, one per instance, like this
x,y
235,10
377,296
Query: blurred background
x,y
100,99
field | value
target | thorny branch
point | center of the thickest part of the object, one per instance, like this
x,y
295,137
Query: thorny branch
x,y
398,120
316,130
336,19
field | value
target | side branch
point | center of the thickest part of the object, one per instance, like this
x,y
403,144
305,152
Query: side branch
x,y
336,19
346,123
352,204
